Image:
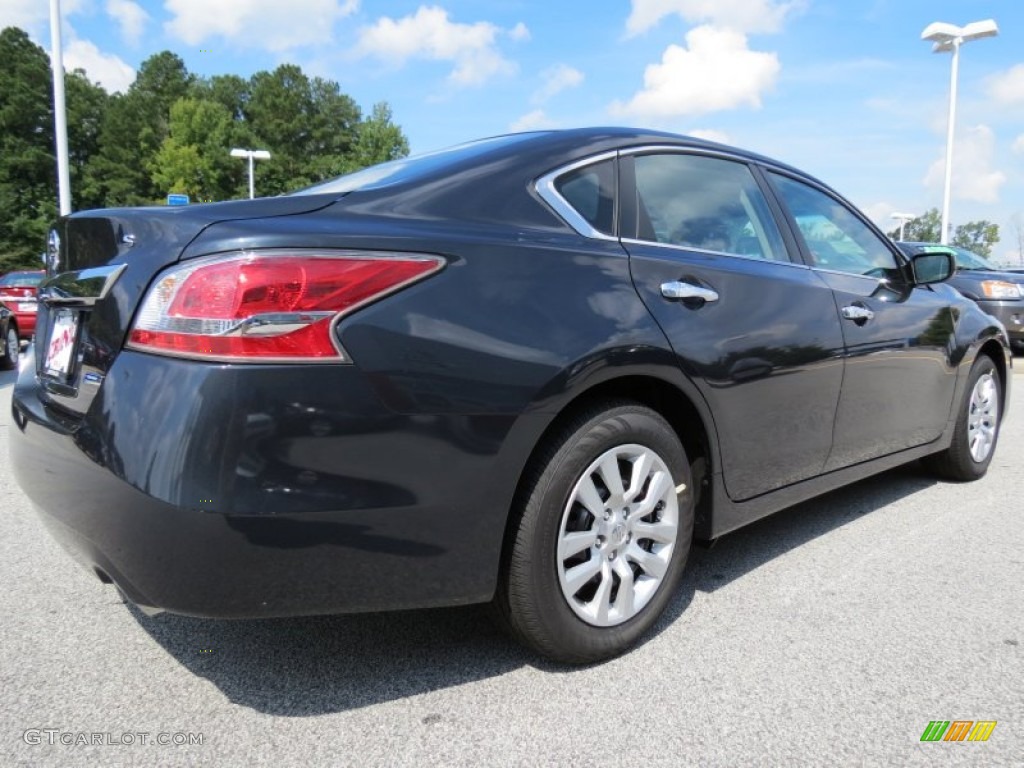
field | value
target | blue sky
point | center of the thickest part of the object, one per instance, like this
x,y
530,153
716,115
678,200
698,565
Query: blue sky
x,y
843,89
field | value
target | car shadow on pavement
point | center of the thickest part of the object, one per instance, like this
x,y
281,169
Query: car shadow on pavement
x,y
319,665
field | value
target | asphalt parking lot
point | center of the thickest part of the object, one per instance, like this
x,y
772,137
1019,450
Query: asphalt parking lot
x,y
829,634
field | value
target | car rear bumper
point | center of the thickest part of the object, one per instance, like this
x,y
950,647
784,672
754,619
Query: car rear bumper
x,y
234,491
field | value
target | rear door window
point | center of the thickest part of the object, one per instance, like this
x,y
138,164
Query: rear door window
x,y
705,203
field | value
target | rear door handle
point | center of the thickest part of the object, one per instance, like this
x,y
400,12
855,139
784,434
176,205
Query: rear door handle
x,y
677,289
859,315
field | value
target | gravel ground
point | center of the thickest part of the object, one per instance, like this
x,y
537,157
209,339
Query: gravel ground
x,y
829,634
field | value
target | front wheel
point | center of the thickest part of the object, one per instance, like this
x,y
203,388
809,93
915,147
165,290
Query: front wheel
x,y
977,427
601,537
11,349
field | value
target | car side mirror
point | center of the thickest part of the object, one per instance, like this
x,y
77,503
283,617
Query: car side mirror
x,y
933,267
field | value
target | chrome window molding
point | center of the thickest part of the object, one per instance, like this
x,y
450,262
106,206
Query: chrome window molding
x,y
690,249
545,187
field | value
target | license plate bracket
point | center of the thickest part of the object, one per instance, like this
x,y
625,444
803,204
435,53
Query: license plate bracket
x,y
61,346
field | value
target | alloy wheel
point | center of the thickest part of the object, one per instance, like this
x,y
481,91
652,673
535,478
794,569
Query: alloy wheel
x,y
617,535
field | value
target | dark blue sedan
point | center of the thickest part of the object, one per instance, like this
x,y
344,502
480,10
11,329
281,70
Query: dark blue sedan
x,y
530,370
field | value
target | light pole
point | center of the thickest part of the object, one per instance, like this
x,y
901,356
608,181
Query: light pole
x,y
60,115
903,218
949,37
252,154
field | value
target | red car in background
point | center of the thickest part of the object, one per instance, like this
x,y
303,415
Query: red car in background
x,y
18,294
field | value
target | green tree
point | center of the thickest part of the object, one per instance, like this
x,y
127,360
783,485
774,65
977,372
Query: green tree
x,y
378,139
134,128
27,170
926,228
194,159
87,104
977,236
309,126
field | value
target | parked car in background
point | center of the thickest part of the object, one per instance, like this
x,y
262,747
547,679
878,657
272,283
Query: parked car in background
x,y
530,369
1000,292
10,344
18,294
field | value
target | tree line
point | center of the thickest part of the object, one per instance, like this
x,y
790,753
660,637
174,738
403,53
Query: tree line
x,y
976,236
171,131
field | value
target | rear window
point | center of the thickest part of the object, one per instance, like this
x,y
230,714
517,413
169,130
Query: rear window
x,y
21,279
412,168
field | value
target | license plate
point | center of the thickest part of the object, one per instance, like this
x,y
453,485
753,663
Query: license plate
x,y
61,346
27,306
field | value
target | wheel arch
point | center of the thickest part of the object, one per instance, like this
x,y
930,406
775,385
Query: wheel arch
x,y
690,421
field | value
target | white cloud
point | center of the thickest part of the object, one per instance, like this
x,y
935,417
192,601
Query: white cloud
x,y
519,33
130,18
268,24
33,15
741,15
1007,87
715,71
881,213
429,34
532,121
106,68
710,134
557,79
973,175
1018,144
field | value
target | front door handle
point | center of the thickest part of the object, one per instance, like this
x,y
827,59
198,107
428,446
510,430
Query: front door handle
x,y
677,289
859,315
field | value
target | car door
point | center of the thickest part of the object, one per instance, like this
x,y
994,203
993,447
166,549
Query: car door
x,y
757,332
899,376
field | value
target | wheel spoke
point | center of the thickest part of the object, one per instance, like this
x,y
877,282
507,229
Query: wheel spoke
x,y
579,575
588,496
575,542
641,469
624,599
650,563
611,475
602,598
661,532
660,484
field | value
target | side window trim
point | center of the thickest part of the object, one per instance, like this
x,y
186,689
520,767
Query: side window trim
x,y
548,191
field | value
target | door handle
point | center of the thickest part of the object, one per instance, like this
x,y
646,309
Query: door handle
x,y
677,289
859,315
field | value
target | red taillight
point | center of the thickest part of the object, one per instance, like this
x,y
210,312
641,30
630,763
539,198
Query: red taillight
x,y
267,306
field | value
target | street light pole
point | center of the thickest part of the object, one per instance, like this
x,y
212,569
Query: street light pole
x,y
903,218
251,154
948,37
60,115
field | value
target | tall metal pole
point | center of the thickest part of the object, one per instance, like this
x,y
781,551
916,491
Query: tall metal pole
x,y
944,236
252,183
60,114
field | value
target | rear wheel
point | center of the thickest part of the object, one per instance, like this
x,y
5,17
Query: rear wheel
x,y
601,537
11,349
977,427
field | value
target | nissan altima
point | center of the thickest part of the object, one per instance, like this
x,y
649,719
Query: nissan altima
x,y
529,370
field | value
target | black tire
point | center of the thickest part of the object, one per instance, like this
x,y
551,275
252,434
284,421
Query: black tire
x,y
11,348
983,408
531,599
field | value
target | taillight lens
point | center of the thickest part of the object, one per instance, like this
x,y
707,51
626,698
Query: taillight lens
x,y
267,306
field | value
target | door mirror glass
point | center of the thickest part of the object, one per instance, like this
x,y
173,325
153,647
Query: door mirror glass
x,y
933,267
